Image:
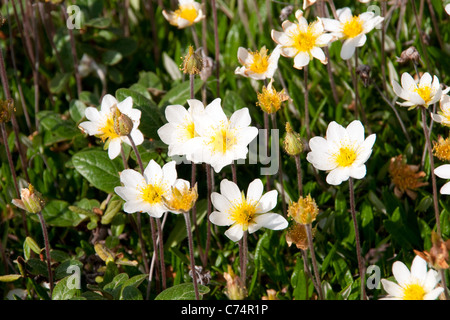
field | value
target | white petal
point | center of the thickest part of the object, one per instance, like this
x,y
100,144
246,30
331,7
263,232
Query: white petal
x,y
176,114
230,190
443,171
280,37
92,114
358,172
434,294
348,49
319,54
255,191
267,202
243,56
401,273
235,233
166,133
332,25
445,189
408,82
356,131
240,118
107,102
195,106
337,176
344,14
169,173
220,202
301,60
153,173
137,136
126,105
132,178
425,80
273,221
114,148
220,219
392,288
419,269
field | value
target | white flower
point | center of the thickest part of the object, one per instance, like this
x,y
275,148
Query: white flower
x,y
447,9
424,93
443,116
443,172
221,140
352,29
302,41
144,193
180,129
245,212
417,284
343,152
258,65
101,123
188,13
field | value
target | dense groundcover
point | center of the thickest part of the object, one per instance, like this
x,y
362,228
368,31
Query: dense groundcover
x,y
285,150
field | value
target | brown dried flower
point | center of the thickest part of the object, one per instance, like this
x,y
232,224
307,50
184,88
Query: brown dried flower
x,y
438,254
405,177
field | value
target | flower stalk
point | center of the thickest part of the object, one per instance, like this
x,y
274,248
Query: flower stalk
x,y
357,240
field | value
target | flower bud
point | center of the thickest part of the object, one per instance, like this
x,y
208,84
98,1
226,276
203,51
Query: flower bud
x,y
123,125
30,200
192,62
235,289
292,142
6,110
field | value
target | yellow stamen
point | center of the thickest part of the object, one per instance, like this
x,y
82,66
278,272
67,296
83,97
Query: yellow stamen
x,y
182,200
152,193
223,140
345,157
243,213
188,13
441,149
425,93
304,41
190,130
353,27
108,130
260,61
413,292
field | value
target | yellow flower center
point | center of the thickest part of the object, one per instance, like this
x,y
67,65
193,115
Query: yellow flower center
x,y
413,292
353,27
152,193
108,130
243,213
188,13
304,211
304,41
425,93
222,140
190,130
269,100
260,61
345,157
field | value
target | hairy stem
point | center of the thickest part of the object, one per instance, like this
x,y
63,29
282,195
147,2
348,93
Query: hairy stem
x,y
47,250
191,253
314,261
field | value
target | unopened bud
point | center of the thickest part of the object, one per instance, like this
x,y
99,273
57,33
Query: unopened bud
x,y
192,62
410,54
30,200
6,110
123,125
292,142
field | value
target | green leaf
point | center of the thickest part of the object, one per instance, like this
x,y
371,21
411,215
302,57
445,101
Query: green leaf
x,y
10,277
97,168
59,82
180,93
113,208
184,291
131,293
55,129
63,291
30,244
57,214
111,57
171,67
99,22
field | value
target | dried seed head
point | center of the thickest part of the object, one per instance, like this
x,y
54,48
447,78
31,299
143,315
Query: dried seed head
x,y
410,54
285,12
304,211
441,149
296,233
269,100
405,177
